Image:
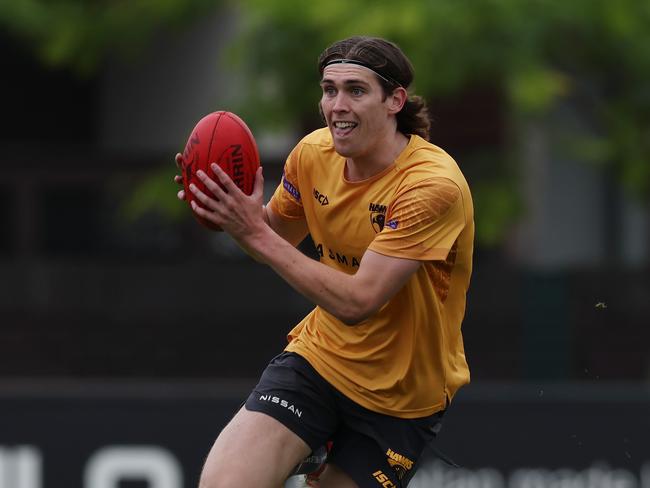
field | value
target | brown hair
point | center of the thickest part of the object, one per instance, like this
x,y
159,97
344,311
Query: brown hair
x,y
392,69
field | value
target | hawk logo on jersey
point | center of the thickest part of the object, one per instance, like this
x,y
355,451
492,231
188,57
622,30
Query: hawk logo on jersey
x,y
377,216
322,199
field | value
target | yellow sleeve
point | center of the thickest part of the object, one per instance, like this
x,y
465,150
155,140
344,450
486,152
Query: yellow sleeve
x,y
287,200
423,221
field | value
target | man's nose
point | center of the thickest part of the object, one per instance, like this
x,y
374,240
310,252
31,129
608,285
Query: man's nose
x,y
340,103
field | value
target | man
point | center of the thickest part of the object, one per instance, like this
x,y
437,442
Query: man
x,y
376,363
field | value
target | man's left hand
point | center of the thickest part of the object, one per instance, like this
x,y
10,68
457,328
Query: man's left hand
x,y
238,214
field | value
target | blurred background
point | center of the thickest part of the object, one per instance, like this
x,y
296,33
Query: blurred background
x,y
129,334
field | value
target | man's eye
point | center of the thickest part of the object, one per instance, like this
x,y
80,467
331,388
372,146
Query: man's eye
x,y
356,92
329,91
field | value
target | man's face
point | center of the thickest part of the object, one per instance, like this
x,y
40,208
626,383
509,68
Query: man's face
x,y
358,115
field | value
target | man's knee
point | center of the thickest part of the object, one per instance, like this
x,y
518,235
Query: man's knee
x,y
335,477
225,479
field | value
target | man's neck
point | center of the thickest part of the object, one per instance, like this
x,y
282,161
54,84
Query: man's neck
x,y
365,167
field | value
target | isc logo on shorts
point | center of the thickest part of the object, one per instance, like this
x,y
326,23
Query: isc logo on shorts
x,y
383,480
282,403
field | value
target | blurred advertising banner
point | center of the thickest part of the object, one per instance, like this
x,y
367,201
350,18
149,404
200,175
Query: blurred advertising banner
x,y
583,435
144,435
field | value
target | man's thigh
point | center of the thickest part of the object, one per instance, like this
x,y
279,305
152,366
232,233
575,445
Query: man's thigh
x,y
334,477
254,449
293,393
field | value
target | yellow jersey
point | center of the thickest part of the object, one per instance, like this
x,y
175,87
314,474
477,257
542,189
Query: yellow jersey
x,y
407,360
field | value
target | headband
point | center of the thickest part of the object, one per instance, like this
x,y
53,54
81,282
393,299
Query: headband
x,y
364,65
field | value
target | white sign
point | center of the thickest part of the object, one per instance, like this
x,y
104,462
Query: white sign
x,y
22,467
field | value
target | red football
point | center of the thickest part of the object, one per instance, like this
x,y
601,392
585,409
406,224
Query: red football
x,y
222,138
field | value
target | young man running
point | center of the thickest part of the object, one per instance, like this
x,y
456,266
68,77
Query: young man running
x,y
376,363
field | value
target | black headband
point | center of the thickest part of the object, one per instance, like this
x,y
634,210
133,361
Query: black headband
x,y
387,79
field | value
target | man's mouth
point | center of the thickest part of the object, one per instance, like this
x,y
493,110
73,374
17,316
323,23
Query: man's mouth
x,y
343,128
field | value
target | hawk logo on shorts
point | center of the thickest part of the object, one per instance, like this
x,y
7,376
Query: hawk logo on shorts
x,y
377,216
401,464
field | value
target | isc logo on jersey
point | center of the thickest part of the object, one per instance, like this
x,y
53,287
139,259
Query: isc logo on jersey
x,y
322,199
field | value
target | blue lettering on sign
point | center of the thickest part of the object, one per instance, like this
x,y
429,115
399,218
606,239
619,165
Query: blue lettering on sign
x,y
293,191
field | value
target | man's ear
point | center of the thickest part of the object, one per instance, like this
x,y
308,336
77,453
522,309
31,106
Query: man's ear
x,y
320,112
397,100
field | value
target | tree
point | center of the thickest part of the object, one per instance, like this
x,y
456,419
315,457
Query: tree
x,y
593,54
81,34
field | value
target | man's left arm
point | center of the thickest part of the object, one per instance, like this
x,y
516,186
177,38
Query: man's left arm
x,y
350,298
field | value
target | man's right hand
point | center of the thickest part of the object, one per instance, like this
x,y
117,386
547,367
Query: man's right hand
x,y
178,179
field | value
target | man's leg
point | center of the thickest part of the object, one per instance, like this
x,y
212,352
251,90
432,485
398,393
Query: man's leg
x,y
253,450
334,477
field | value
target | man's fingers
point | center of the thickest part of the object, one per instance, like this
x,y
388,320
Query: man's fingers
x,y
203,213
225,179
203,198
258,189
178,179
211,185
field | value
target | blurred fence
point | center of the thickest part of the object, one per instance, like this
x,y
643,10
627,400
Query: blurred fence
x,y
213,317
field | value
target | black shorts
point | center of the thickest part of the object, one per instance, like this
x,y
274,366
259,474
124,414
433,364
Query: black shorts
x,y
374,449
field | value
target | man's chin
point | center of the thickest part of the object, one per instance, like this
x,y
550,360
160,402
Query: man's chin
x,y
343,153
342,149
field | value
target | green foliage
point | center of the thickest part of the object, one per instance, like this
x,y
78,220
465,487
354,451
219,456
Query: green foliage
x,y
590,54
81,34
154,194
534,49
534,90
495,206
